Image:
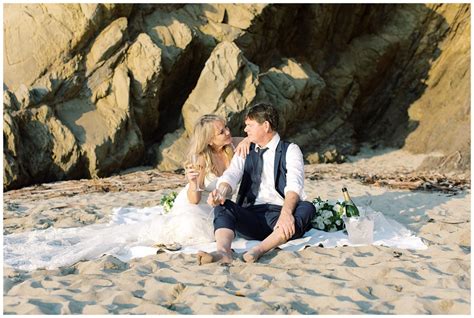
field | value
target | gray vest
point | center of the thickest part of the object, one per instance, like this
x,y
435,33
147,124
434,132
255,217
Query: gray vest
x,y
245,197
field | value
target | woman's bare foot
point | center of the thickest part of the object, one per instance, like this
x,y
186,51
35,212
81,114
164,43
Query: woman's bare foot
x,y
222,258
252,256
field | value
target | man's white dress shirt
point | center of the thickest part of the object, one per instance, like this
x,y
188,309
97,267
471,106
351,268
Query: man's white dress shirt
x,y
267,192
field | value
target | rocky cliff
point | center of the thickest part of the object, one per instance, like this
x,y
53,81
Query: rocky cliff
x,y
91,89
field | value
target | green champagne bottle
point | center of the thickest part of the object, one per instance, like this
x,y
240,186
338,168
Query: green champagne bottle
x,y
350,209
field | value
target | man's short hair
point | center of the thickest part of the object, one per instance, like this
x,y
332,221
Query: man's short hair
x,y
262,112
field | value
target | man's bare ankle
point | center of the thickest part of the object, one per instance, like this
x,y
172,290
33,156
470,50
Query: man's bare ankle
x,y
223,251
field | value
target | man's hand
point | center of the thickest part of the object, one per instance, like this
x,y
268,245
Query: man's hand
x,y
214,198
286,223
219,195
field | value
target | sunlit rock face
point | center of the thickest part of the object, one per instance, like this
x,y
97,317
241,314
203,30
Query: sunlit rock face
x,y
92,89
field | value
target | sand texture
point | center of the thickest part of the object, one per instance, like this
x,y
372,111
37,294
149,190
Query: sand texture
x,y
342,280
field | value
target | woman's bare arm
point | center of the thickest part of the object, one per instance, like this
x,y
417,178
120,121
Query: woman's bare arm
x,y
241,146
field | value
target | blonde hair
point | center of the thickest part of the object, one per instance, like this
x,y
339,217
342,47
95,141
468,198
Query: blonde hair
x,y
203,133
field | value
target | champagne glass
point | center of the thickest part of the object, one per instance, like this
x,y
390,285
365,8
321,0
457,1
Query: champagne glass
x,y
368,200
218,195
195,165
222,191
368,203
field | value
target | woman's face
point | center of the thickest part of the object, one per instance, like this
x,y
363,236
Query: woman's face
x,y
222,135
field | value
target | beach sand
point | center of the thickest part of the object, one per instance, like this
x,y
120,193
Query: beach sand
x,y
342,280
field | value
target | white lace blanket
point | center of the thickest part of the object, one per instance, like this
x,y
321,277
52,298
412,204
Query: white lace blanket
x,y
387,232
53,248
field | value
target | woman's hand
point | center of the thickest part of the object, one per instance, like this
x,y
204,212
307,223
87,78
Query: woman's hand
x,y
243,148
191,174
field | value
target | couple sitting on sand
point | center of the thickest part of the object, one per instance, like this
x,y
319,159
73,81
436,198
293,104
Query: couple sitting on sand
x,y
270,203
269,206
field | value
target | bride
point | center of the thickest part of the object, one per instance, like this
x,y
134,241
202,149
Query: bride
x,y
210,153
188,223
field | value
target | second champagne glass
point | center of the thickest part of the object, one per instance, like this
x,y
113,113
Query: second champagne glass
x,y
222,191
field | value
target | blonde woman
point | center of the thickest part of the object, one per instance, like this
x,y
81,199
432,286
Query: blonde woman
x,y
190,221
210,152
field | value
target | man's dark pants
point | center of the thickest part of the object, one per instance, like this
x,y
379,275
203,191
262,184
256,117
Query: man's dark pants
x,y
256,222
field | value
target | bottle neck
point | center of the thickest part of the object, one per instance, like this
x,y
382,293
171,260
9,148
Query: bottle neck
x,y
347,198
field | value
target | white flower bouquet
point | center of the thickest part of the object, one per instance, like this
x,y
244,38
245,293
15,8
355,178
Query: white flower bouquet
x,y
167,201
328,217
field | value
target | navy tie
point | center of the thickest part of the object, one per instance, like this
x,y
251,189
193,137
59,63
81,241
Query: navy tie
x,y
257,172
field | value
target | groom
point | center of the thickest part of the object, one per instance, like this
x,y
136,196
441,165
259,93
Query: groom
x,y
270,205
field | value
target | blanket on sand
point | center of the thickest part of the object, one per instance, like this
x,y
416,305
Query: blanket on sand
x,y
387,232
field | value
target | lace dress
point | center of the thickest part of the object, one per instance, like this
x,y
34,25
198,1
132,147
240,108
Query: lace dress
x,y
187,223
130,230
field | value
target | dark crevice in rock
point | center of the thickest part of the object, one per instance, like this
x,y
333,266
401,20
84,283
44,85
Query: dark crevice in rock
x,y
385,74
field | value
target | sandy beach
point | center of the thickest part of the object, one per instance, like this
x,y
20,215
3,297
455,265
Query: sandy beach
x,y
342,280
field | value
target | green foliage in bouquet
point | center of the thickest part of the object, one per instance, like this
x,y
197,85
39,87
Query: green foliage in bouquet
x,y
328,217
167,201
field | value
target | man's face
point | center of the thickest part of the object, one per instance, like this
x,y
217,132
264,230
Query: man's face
x,y
255,131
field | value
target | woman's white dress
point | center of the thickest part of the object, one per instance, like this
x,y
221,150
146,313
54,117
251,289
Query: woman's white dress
x,y
130,228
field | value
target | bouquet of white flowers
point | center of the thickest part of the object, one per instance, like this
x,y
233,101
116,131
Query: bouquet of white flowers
x,y
167,201
328,217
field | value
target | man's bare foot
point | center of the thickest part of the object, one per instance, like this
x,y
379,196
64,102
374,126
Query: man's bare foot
x,y
220,257
251,256
204,258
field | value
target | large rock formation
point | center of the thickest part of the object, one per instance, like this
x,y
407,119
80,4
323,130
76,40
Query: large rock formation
x,y
90,89
443,111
